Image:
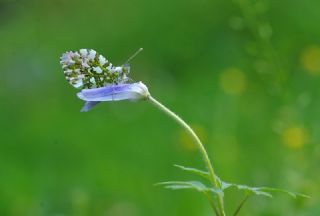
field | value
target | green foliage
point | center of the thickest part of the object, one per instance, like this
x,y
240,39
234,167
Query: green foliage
x,y
261,128
201,173
292,194
201,187
176,185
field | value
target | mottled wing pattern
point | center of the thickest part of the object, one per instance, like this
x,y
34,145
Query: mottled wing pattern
x,y
87,69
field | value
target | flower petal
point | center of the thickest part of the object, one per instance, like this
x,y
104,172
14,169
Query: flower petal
x,y
134,91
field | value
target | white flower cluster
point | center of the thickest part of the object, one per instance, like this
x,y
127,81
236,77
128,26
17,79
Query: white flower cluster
x,y
87,69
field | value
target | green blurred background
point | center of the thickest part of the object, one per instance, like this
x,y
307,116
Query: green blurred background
x,y
245,74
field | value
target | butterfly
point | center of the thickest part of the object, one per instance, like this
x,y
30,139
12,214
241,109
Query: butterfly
x,y
98,78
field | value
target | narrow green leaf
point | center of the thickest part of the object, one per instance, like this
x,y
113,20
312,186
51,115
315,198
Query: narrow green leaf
x,y
251,190
175,185
293,194
225,185
262,191
194,171
196,185
198,172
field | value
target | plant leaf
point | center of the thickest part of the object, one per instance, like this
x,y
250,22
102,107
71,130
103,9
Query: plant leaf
x,y
176,185
249,190
196,185
253,190
261,191
201,173
293,194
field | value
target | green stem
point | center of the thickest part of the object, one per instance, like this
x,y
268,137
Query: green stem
x,y
213,206
199,144
241,205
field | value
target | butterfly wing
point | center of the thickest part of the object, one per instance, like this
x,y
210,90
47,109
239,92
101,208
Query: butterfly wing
x,y
86,69
89,105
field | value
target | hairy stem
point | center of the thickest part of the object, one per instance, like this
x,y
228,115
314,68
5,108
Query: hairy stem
x,y
199,144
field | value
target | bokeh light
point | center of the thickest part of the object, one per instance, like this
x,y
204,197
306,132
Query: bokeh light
x,y
310,59
295,137
233,81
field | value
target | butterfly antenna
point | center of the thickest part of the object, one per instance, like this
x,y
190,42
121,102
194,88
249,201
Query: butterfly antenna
x,y
134,55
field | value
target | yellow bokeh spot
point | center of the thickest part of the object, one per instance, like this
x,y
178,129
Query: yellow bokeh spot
x,y
233,81
187,142
294,137
310,60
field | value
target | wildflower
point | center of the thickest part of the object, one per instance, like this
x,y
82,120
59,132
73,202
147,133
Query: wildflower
x,y
99,80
